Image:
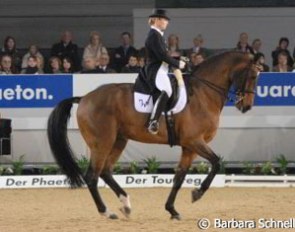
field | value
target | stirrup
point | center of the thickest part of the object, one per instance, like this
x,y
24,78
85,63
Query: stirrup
x,y
153,127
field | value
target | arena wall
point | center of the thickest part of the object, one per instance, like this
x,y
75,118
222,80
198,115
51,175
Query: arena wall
x,y
265,132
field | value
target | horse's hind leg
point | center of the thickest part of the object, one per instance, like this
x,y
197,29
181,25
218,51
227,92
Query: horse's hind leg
x,y
100,141
107,176
91,179
205,152
184,164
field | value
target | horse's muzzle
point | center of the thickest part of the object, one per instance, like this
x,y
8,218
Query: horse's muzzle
x,y
244,109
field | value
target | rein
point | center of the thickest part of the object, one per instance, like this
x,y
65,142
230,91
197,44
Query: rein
x,y
239,95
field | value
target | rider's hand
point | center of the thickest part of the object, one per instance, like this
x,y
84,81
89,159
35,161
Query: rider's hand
x,y
181,64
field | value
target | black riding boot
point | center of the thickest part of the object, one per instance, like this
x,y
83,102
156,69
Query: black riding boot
x,y
159,106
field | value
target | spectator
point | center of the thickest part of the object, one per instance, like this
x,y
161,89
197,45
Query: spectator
x,y
67,65
196,58
32,66
90,65
40,64
122,53
173,46
282,65
282,47
54,65
256,46
66,48
32,51
243,44
95,47
9,48
132,66
259,59
6,65
141,61
198,43
104,62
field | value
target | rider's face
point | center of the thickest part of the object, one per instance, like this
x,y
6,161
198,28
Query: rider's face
x,y
161,23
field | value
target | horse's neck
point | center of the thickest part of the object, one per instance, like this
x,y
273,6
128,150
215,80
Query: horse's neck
x,y
215,91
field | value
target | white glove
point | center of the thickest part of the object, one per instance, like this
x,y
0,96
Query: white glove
x,y
181,64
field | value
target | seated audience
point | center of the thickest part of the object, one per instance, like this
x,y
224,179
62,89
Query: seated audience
x,y
66,48
173,46
67,65
198,43
95,47
90,65
32,51
282,47
9,48
132,66
259,59
282,65
40,64
141,61
256,46
6,64
54,65
104,62
123,52
196,58
32,66
243,44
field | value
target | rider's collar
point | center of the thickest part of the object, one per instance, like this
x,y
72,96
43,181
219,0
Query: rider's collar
x,y
158,30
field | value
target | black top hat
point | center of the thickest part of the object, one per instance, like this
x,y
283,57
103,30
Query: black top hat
x,y
159,13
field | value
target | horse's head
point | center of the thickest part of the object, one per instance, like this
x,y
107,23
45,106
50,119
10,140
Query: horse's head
x,y
244,80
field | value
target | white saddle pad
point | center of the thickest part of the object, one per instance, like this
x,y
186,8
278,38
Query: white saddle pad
x,y
143,103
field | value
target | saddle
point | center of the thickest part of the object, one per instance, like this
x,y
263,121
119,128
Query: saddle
x,y
145,86
146,94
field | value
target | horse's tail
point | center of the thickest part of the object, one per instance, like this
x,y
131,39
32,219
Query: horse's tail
x,y
58,141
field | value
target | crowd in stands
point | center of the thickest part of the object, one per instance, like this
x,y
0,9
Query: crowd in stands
x,y
64,56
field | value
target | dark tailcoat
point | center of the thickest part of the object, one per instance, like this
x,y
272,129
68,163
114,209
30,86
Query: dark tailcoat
x,y
156,49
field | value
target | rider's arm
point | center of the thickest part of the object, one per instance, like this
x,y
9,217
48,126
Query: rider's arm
x,y
157,45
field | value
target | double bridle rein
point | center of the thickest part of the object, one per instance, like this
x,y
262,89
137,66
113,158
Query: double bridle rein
x,y
239,94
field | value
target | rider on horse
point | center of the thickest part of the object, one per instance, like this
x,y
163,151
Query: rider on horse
x,y
158,61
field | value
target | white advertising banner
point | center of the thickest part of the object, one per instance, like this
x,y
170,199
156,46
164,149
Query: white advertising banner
x,y
125,181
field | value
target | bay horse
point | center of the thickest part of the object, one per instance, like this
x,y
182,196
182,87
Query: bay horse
x,y
107,119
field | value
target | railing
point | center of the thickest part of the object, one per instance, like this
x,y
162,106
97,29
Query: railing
x,y
259,181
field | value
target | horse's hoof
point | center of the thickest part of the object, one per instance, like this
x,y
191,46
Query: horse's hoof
x,y
126,211
176,217
113,216
197,195
109,215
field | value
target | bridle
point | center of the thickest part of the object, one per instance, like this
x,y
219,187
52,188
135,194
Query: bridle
x,y
238,93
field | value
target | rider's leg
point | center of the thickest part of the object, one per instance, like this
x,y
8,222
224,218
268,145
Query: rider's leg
x,y
164,85
157,111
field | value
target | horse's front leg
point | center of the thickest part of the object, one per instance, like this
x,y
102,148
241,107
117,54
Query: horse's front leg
x,y
184,164
204,151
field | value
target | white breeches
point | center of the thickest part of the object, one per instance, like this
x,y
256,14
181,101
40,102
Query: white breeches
x,y
163,81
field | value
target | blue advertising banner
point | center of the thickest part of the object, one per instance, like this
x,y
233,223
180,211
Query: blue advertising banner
x,y
41,91
274,89
34,91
